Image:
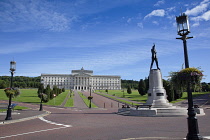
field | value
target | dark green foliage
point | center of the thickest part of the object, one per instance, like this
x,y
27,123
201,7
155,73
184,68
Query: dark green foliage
x,y
4,84
133,84
129,91
146,81
205,86
169,90
20,81
106,91
142,87
126,83
48,93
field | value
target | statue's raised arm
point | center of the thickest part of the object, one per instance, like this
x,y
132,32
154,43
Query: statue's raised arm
x,y
154,57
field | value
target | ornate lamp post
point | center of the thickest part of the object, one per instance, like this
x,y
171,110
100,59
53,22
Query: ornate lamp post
x,y
9,109
90,98
183,30
40,107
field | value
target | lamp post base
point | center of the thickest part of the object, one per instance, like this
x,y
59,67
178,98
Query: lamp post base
x,y
90,104
9,114
193,132
40,108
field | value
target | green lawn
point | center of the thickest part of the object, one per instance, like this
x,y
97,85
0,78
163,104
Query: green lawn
x,y
116,99
58,100
26,96
30,96
16,108
86,101
134,96
184,96
69,103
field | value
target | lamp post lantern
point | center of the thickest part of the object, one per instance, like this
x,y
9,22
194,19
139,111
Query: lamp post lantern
x,y
183,30
9,109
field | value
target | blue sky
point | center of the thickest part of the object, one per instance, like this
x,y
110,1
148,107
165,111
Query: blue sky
x,y
110,37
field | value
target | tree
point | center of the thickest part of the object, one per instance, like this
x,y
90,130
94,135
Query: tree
x,y
2,84
205,86
40,89
146,81
46,95
142,87
129,91
106,91
169,90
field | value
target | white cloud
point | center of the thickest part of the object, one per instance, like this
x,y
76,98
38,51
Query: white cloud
x,y
159,12
202,7
129,20
171,9
39,14
140,25
159,3
155,22
203,17
206,16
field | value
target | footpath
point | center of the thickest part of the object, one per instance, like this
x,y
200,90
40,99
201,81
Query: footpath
x,y
22,115
103,102
99,100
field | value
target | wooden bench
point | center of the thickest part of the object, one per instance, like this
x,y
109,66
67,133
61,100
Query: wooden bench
x,y
125,106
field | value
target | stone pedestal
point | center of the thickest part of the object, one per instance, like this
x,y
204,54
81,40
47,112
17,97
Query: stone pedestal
x,y
156,94
157,104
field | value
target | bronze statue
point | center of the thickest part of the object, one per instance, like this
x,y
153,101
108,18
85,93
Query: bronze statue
x,y
154,57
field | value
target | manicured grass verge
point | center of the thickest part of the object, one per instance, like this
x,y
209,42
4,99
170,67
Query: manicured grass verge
x,y
58,100
86,101
26,96
134,96
30,96
16,108
184,96
69,103
116,99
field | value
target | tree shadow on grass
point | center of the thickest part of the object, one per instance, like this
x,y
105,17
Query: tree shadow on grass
x,y
138,100
31,102
29,96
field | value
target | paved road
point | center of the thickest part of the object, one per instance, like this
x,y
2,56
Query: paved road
x,y
99,124
199,100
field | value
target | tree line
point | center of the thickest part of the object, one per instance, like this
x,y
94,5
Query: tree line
x,y
46,94
20,82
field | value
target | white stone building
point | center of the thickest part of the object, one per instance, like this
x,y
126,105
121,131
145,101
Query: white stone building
x,y
82,80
